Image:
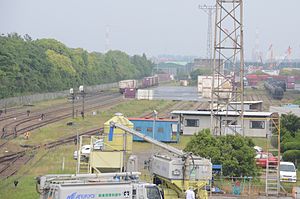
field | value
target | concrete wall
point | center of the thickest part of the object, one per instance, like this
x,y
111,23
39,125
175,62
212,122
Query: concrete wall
x,y
30,99
204,122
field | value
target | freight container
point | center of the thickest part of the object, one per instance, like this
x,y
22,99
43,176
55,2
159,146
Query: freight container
x,y
199,84
129,93
164,77
290,85
144,94
149,81
183,82
130,83
291,79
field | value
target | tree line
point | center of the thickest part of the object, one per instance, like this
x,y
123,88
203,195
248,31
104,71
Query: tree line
x,y
45,65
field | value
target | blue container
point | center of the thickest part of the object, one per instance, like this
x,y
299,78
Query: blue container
x,y
165,130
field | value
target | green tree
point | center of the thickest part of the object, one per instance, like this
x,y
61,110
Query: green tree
x,y
235,153
29,66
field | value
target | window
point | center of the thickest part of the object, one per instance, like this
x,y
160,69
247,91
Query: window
x,y
231,122
160,130
192,123
153,192
257,124
139,129
149,129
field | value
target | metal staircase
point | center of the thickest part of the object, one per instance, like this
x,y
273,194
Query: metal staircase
x,y
272,178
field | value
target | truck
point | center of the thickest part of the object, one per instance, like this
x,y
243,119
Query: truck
x,y
122,185
176,171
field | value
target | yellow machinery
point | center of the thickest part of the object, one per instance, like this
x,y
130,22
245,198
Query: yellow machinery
x,y
110,152
175,173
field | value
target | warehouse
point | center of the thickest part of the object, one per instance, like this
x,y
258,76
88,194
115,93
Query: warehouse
x,y
256,124
165,130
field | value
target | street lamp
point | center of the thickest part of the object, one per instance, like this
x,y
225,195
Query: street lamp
x,y
81,90
73,98
153,128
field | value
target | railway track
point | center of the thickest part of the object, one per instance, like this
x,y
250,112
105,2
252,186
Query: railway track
x,y
108,101
10,127
21,112
10,164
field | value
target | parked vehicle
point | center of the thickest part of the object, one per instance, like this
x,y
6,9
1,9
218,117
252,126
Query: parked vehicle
x,y
258,149
288,172
262,159
103,185
85,151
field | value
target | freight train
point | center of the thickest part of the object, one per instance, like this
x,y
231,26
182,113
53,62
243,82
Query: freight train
x,y
254,79
274,90
138,84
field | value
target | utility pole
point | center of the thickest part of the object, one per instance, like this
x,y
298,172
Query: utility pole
x,y
209,10
228,69
153,129
73,100
81,90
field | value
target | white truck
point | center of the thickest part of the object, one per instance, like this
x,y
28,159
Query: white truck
x,y
88,186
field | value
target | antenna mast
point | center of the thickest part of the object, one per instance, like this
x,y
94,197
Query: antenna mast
x,y
228,75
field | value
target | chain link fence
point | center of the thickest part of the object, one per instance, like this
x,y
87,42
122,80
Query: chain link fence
x,y
30,99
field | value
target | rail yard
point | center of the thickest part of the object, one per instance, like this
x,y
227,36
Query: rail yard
x,y
145,112
19,152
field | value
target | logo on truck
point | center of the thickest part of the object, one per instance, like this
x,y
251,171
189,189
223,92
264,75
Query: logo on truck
x,y
80,196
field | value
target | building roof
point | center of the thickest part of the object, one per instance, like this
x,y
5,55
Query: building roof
x,y
151,119
223,113
247,102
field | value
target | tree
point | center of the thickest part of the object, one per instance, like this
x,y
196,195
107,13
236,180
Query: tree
x,y
29,66
235,153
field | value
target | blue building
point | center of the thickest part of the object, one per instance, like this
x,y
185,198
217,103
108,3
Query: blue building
x,y
165,130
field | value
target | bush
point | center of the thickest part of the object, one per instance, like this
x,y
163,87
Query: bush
x,y
291,146
291,155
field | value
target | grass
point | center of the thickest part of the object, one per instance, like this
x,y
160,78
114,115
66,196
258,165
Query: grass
x,y
50,161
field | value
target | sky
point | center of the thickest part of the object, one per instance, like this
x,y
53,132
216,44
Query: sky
x,y
153,27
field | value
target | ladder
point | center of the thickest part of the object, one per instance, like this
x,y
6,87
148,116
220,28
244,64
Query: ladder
x,y
272,178
82,164
272,166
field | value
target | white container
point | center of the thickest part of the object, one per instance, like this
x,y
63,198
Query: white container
x,y
144,94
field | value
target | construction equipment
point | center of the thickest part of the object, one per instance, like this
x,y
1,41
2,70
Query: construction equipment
x,y
177,172
174,173
87,186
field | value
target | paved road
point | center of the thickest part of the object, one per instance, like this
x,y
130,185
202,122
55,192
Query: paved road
x,y
247,197
177,93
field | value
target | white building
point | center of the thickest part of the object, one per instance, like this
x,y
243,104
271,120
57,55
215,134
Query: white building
x,y
256,124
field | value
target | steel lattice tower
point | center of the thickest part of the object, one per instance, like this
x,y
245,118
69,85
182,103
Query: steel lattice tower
x,y
209,10
228,69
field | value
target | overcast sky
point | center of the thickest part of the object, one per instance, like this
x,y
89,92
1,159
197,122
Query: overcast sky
x,y
150,26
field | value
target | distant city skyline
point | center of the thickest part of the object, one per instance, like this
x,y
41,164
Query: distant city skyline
x,y
173,27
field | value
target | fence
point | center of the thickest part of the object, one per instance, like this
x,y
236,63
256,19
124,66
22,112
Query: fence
x,y
30,99
246,186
